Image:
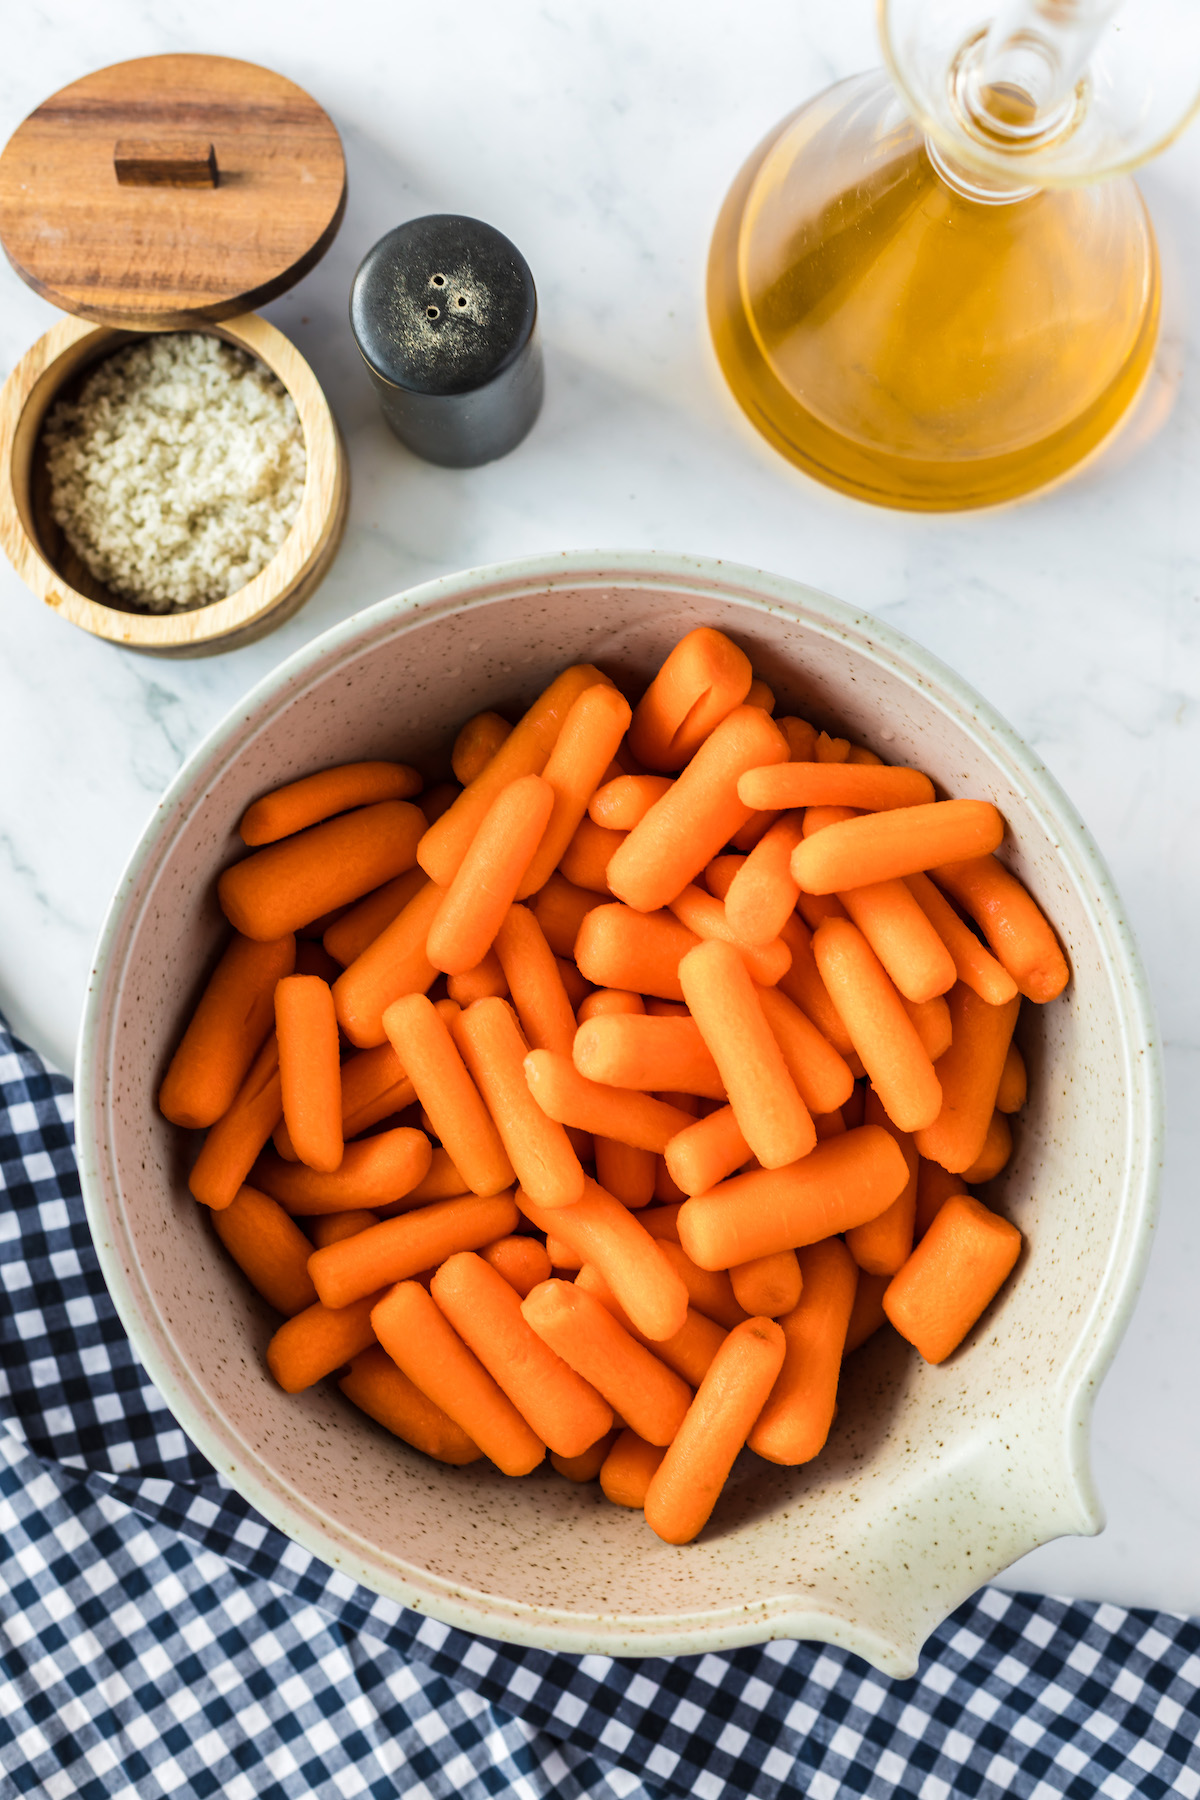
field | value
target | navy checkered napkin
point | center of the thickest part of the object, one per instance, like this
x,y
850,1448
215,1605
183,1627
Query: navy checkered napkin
x,y
158,1637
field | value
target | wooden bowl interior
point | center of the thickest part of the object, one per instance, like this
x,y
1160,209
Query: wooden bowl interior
x,y
56,368
41,524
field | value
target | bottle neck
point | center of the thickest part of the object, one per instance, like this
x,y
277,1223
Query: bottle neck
x,y
983,190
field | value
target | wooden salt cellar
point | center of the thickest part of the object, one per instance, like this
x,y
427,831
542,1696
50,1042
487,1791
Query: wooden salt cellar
x,y
170,193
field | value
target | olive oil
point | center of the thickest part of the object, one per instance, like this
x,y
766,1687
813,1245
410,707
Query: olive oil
x,y
911,336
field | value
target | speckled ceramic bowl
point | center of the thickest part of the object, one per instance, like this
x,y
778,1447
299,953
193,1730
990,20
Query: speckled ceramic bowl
x,y
935,1479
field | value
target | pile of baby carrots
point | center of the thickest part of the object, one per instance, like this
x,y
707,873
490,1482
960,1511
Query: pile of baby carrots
x,y
604,1100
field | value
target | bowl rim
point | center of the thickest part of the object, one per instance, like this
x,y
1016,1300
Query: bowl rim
x,y
1065,1438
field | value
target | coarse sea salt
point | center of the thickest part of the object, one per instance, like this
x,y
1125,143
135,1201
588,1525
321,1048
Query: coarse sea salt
x,y
177,473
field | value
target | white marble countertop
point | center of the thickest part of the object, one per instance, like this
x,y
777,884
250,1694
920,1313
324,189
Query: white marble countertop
x,y
601,138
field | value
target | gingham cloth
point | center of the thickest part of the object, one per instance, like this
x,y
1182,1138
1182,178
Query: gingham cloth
x,y
158,1637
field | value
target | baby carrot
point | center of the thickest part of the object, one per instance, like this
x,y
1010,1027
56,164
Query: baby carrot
x,y
306,802
584,862
902,938
562,1093
586,1467
759,694
618,947
486,881
801,738
315,1342
814,909
969,1074
560,910
626,1471
331,1228
687,1483
533,978
649,1396
884,1244
606,1234
563,1409
443,1180
880,1029
561,1255
373,1172
844,1182
706,916
278,889
762,895
384,1392
952,1276
873,789
400,1248
1010,1095
524,752
931,1022
822,1077
795,1421
362,923
484,982
624,1171
271,1252
1013,923
725,1005
686,828
701,1155
229,1151
574,769
476,744
624,802
522,1261
538,1148
460,1119
935,1186
882,845
420,1339
650,1054
576,986
660,1221
830,1124
832,749
709,1291
749,836
867,1314
603,1001
392,965
688,1351
309,1070
226,1031
803,986
973,964
997,1148
766,1287
702,680
816,818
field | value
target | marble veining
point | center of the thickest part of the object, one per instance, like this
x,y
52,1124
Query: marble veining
x,y
601,140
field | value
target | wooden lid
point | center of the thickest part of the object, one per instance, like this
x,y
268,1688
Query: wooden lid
x,y
171,189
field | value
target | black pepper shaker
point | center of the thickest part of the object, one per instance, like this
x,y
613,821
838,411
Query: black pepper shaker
x,y
444,312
